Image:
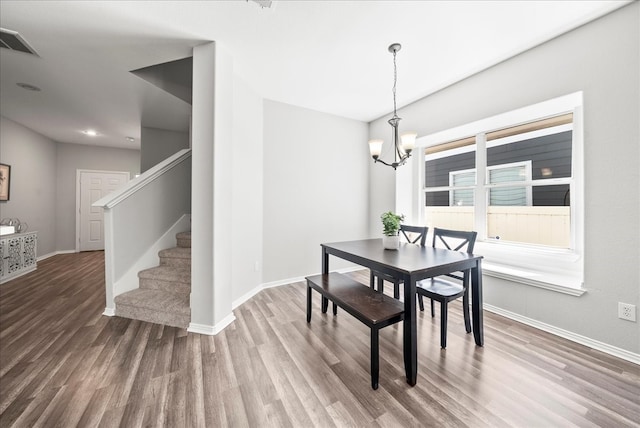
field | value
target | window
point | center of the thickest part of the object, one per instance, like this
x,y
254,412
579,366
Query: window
x,y
516,179
525,194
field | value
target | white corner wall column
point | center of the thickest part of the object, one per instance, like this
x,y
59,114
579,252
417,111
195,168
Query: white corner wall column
x,y
211,301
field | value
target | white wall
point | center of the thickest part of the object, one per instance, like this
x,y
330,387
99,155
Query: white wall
x,y
315,187
284,180
246,194
32,196
158,144
601,59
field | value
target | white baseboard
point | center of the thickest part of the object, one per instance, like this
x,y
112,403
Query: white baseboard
x,y
303,278
110,312
583,340
211,330
201,329
240,300
278,283
55,253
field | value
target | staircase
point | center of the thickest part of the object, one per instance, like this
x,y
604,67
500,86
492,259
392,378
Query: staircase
x,y
164,293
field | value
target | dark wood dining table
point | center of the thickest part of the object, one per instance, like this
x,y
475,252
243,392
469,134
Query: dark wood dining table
x,y
412,263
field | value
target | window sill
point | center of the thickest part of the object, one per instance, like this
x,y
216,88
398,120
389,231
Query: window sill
x,y
559,283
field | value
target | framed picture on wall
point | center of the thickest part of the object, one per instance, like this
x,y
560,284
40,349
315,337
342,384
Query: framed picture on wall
x,y
5,181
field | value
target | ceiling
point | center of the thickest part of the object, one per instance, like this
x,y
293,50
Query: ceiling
x,y
329,56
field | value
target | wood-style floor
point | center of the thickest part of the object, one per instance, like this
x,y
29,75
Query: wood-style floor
x,y
64,364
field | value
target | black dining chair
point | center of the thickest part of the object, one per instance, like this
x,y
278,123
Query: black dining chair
x,y
413,235
445,290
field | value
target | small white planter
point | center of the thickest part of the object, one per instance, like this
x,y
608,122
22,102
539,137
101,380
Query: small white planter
x,y
391,242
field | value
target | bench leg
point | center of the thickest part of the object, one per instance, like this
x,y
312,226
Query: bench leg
x,y
325,304
335,309
308,304
375,363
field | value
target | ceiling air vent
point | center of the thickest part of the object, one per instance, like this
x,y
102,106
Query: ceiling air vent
x,y
14,41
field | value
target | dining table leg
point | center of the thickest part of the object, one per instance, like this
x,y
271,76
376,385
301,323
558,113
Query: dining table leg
x,y
325,270
410,331
476,304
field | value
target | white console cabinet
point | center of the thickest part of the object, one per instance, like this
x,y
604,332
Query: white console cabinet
x,y
18,252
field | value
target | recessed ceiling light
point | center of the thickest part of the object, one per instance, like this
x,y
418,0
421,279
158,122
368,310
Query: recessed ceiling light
x,y
130,139
90,132
28,87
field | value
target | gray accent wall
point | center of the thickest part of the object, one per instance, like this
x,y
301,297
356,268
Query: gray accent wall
x,y
72,157
43,181
33,181
157,145
602,60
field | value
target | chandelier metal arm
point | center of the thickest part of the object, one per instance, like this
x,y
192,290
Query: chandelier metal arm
x,y
393,165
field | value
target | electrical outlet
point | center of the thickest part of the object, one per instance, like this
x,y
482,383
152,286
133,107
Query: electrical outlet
x,y
627,311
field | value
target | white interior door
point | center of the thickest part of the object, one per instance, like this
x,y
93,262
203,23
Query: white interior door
x,y
93,185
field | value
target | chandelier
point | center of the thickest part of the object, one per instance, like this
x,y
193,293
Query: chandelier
x,y
402,151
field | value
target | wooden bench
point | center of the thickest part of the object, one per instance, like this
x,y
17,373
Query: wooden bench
x,y
374,309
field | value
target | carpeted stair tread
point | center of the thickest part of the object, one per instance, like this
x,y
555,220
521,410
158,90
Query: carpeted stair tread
x,y
163,296
153,316
176,252
156,300
176,256
166,278
184,239
167,273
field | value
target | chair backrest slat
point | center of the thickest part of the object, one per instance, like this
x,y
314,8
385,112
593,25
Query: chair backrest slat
x,y
419,231
449,238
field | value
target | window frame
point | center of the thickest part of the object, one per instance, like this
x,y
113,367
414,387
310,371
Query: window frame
x,y
551,268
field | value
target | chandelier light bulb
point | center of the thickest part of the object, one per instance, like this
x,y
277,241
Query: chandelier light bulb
x,y
408,141
375,147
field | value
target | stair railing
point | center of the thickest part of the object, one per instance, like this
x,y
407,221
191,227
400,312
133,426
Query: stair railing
x,y
141,218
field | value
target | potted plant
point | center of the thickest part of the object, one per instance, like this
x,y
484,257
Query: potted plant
x,y
391,228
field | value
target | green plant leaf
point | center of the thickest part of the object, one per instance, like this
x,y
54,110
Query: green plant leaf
x,y
391,223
